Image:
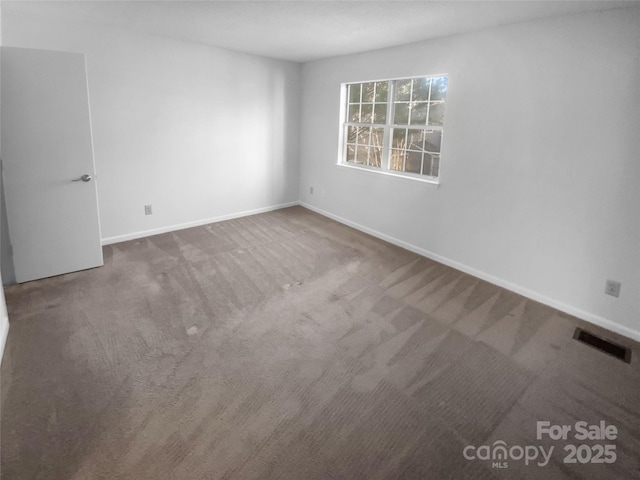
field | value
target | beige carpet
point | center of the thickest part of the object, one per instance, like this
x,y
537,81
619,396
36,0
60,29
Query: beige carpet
x,y
288,346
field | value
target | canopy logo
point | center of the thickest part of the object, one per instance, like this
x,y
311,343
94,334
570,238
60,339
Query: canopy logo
x,y
499,454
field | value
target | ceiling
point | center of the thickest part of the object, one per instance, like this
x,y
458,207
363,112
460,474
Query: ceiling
x,y
305,30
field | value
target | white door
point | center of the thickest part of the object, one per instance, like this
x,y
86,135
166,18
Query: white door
x,y
47,148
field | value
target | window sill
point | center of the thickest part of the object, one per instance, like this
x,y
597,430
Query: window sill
x,y
412,178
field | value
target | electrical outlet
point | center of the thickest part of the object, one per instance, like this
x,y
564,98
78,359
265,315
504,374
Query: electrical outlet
x,y
612,288
148,210
311,190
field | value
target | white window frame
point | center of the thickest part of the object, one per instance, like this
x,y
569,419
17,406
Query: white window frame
x,y
388,127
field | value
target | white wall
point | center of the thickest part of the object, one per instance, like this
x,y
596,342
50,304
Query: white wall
x,y
4,317
540,169
198,132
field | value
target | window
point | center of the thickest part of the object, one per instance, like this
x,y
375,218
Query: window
x,y
395,126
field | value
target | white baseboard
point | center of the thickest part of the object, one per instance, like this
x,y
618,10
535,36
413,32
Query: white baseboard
x,y
557,304
196,223
4,333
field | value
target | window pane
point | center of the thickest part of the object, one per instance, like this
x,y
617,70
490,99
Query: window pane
x,y
397,159
351,153
367,113
415,140
351,134
419,114
354,93
431,165
367,92
401,116
421,89
362,153
435,165
438,88
403,90
433,140
377,137
399,138
354,113
413,163
363,135
375,156
380,113
382,91
436,114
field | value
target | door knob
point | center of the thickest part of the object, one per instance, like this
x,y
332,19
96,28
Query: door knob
x,y
84,178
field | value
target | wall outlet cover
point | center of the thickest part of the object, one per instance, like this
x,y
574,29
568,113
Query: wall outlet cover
x,y
612,288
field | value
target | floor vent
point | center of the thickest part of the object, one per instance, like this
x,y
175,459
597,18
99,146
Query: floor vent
x,y
613,349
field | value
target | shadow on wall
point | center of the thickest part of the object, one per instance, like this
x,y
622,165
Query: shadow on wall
x,y
6,254
283,148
